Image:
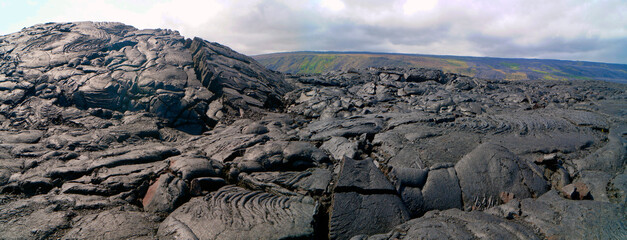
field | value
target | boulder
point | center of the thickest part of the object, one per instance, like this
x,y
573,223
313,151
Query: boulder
x,y
576,191
233,212
362,175
433,195
167,193
301,155
202,186
421,75
491,169
352,212
280,155
189,167
363,197
597,183
617,189
340,147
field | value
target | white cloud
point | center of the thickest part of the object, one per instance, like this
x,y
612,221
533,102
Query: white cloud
x,y
333,5
572,29
413,6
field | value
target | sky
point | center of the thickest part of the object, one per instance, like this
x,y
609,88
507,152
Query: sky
x,y
582,30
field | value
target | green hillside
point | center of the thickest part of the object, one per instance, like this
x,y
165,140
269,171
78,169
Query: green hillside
x,y
482,67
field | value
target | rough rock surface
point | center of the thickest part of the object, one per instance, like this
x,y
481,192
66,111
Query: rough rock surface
x,y
114,224
489,170
236,213
363,197
108,131
456,224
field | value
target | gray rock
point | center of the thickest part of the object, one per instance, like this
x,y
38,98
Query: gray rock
x,y
491,169
340,147
358,175
188,167
411,177
597,183
279,155
40,224
314,180
202,186
352,211
268,156
547,142
611,157
413,200
456,224
41,216
114,224
576,191
303,155
233,212
236,78
255,129
363,195
407,157
355,126
448,148
421,75
433,194
617,189
86,189
317,182
127,177
409,183
389,142
31,136
227,142
577,219
142,154
167,193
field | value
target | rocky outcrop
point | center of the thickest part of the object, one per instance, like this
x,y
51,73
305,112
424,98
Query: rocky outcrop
x,y
117,67
233,212
107,131
243,86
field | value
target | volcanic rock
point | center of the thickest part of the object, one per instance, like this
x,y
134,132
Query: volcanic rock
x,y
233,212
364,196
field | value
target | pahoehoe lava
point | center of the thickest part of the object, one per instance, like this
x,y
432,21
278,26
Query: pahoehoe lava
x,y
108,131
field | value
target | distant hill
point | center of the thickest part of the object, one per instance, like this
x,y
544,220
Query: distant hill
x,y
481,67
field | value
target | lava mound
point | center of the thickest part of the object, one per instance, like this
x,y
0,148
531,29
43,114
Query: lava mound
x,y
112,132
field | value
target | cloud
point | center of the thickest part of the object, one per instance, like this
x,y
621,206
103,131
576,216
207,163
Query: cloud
x,y
333,5
560,29
414,6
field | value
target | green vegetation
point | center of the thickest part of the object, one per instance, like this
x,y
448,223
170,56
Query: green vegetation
x,y
316,64
457,63
496,68
539,71
550,77
512,66
555,70
578,77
